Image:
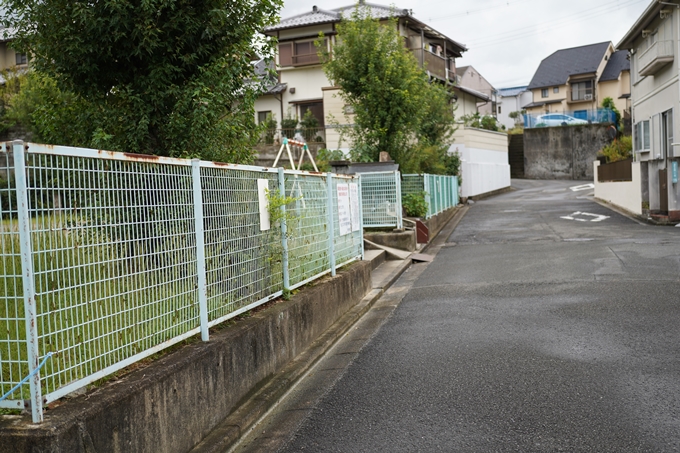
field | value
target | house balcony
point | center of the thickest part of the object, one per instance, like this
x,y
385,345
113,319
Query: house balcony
x,y
656,57
575,95
437,66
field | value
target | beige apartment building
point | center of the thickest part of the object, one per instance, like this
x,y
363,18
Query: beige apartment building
x,y
576,80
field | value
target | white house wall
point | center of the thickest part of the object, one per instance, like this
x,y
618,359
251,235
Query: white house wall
x,y
652,95
307,83
509,104
465,105
624,194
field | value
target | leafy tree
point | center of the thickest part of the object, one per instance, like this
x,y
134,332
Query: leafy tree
x,y
395,108
167,77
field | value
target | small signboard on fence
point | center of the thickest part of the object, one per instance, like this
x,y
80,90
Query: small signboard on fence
x,y
344,217
262,189
354,206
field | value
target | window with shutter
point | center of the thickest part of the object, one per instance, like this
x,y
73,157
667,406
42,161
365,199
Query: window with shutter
x,y
286,54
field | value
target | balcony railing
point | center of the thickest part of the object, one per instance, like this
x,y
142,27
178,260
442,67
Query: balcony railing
x,y
657,56
581,95
435,64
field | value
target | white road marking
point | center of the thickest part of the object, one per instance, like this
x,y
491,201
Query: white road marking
x,y
582,187
596,217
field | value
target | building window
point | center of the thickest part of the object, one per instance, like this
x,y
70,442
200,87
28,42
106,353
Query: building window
x,y
582,91
544,93
263,117
21,58
499,109
642,136
299,53
556,89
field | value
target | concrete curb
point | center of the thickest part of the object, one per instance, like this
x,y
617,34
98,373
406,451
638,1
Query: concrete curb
x,y
258,404
642,220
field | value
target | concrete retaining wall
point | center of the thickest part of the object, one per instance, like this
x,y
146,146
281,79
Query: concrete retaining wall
x,y
626,195
563,152
172,403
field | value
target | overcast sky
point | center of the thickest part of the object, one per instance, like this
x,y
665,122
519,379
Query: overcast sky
x,y
507,39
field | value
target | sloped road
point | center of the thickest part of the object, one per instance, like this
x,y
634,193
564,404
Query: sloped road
x,y
546,323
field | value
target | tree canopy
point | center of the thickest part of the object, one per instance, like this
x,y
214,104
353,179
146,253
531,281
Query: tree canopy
x,y
396,108
167,77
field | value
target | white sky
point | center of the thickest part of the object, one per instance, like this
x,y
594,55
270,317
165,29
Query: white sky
x,y
507,39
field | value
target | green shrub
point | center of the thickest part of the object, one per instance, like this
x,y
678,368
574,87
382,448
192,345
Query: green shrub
x,y
619,149
414,204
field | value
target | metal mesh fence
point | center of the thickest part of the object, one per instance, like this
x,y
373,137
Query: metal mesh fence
x,y
243,264
381,199
113,257
441,192
308,228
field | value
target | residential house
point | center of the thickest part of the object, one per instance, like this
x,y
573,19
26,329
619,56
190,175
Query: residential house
x,y
9,58
303,86
511,100
469,77
576,80
655,71
467,100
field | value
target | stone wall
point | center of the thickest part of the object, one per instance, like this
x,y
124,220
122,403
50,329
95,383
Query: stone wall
x,y
563,152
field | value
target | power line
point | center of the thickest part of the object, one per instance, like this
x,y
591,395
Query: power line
x,y
472,12
566,20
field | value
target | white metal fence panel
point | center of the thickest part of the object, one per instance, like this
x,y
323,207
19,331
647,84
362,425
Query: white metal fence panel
x,y
108,258
381,196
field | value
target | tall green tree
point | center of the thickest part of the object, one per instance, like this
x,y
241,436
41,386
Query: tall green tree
x,y
395,107
165,77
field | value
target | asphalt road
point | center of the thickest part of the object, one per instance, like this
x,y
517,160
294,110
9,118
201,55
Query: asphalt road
x,y
546,323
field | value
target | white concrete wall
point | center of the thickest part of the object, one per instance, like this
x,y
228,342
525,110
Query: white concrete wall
x,y
484,160
624,194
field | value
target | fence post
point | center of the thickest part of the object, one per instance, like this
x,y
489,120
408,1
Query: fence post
x,y
200,248
331,224
361,215
284,231
428,195
397,181
28,279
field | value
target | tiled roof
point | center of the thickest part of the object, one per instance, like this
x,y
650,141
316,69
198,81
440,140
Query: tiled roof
x,y
323,16
514,91
319,16
618,62
556,69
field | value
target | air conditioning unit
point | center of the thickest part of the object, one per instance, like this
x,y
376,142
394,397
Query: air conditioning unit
x,y
588,97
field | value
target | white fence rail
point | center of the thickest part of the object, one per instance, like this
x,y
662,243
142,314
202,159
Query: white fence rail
x,y
108,258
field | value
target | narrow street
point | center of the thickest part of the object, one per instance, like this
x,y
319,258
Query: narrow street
x,y
546,323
